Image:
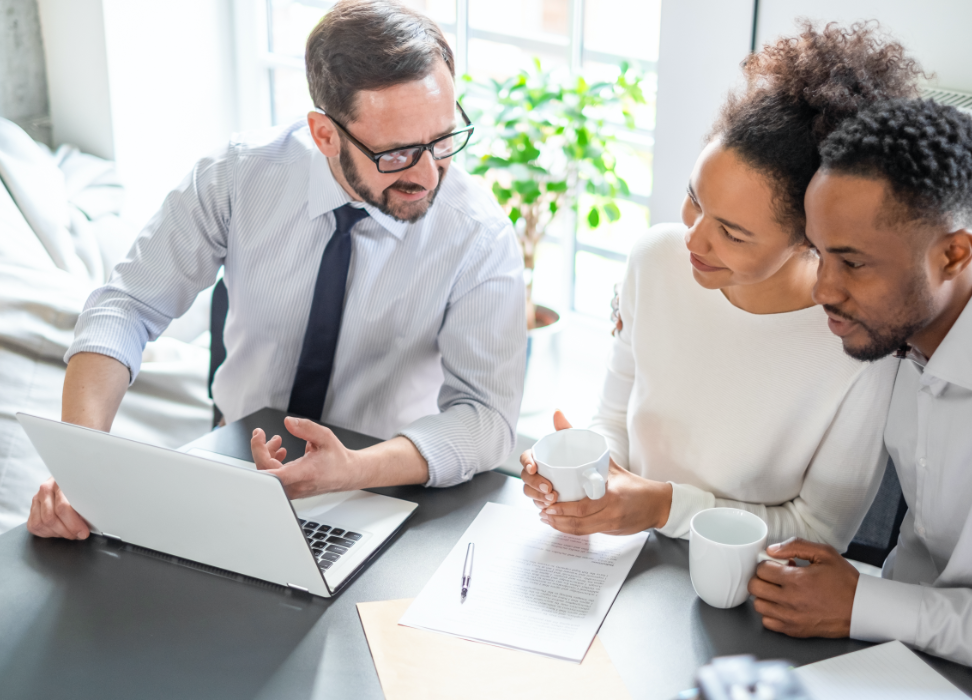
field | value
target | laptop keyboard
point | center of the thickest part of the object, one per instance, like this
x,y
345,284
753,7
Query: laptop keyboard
x,y
328,543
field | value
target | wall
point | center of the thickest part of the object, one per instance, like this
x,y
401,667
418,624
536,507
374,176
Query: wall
x,y
702,44
148,83
23,80
77,75
934,31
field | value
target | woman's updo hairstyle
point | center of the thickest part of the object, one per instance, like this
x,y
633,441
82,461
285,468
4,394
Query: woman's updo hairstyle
x,y
797,91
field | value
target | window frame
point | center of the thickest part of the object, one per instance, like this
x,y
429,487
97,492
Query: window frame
x,y
255,92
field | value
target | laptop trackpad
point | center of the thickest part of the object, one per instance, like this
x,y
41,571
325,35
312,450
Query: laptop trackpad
x,y
318,505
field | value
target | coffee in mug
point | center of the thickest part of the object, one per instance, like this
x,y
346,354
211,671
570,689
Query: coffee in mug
x,y
575,461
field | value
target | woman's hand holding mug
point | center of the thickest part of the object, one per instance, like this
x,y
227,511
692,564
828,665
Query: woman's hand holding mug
x,y
629,503
534,485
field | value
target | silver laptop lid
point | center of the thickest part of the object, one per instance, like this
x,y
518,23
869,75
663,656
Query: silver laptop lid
x,y
177,503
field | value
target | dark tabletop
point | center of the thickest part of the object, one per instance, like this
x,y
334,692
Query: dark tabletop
x,y
99,620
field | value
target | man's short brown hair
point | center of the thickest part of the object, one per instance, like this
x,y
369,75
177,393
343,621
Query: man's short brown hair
x,y
369,45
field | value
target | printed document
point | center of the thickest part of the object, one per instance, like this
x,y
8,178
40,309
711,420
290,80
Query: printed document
x,y
532,588
888,671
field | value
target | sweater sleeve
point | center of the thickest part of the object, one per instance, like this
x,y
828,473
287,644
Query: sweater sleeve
x,y
839,483
611,419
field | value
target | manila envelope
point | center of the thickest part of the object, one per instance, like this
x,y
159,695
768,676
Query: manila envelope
x,y
414,663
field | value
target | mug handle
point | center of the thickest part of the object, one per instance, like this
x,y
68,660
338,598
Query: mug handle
x,y
594,484
763,556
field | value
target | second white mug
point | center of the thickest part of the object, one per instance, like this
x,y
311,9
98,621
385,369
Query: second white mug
x,y
575,461
725,545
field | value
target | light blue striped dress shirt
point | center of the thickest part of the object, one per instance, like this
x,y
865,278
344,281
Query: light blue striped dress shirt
x,y
433,340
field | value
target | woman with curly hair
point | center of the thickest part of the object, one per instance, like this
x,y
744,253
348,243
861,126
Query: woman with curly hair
x,y
725,386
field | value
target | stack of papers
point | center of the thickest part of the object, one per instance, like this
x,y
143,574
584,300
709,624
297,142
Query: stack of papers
x,y
884,672
419,665
532,588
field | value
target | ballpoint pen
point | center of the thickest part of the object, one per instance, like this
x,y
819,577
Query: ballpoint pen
x,y
467,571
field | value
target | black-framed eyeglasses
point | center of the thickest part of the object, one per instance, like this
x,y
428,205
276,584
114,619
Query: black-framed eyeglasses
x,y
398,159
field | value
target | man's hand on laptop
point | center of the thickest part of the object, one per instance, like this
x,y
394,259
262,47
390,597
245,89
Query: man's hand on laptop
x,y
325,467
52,516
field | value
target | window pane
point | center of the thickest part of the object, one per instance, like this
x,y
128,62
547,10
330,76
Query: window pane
x,y
291,101
548,278
634,167
291,22
442,11
620,235
644,115
535,19
628,28
489,59
594,289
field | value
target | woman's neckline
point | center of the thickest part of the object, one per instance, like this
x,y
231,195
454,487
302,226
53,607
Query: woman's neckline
x,y
722,293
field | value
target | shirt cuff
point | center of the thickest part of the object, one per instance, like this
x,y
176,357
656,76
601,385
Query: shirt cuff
x,y
686,502
445,443
885,610
107,332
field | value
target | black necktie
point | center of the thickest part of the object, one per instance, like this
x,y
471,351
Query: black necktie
x,y
324,325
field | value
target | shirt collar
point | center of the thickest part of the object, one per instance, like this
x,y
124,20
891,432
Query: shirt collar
x,y
324,194
906,352
952,361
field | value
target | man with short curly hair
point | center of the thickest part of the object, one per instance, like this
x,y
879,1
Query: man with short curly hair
x,y
890,212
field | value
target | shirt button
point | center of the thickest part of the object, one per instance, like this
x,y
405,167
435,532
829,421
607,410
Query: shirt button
x,y
920,530
922,462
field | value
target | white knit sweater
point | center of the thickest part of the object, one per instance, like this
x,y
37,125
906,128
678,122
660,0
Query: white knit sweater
x,y
760,412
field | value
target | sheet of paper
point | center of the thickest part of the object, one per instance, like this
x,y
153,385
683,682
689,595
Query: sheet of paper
x,y
532,588
419,665
884,672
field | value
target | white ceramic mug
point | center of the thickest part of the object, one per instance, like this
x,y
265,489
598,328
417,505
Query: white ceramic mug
x,y
575,461
725,545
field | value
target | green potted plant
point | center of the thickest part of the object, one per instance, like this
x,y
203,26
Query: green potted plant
x,y
547,138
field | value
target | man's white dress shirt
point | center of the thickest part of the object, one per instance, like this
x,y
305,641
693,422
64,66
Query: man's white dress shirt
x,y
924,597
433,338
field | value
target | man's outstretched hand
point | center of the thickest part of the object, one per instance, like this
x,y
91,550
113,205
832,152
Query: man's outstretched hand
x,y
805,601
326,465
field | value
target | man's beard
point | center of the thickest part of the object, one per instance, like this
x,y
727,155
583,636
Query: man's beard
x,y
409,212
916,312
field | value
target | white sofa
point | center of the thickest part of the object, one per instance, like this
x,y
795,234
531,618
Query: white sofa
x,y
60,236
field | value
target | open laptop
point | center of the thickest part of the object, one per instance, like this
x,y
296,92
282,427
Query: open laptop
x,y
217,509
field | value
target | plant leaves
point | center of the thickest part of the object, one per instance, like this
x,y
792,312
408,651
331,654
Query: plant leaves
x,y
501,193
593,218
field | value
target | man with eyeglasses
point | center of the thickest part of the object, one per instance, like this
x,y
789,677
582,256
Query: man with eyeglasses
x,y
366,288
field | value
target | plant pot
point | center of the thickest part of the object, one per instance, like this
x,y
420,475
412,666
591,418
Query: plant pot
x,y
543,363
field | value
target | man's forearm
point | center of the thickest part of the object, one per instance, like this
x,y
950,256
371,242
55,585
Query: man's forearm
x,y
395,462
94,386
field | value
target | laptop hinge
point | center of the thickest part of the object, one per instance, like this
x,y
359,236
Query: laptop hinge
x,y
298,588
116,538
